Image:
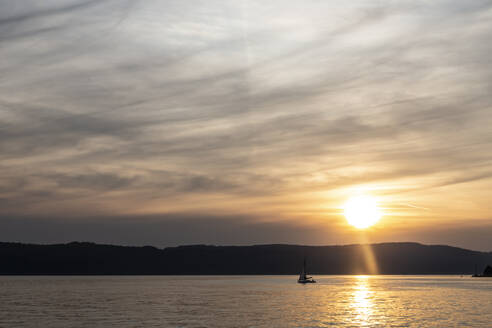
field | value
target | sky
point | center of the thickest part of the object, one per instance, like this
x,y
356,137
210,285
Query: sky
x,y
245,122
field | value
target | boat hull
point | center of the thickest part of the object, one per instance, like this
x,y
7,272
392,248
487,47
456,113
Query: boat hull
x,y
306,281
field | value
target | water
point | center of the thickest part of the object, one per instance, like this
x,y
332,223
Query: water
x,y
245,301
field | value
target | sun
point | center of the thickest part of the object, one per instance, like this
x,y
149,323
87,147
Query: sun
x,y
362,211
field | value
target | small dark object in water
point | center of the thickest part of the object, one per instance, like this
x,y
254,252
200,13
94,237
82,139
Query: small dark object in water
x,y
303,278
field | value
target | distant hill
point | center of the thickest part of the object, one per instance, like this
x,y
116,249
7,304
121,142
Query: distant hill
x,y
94,259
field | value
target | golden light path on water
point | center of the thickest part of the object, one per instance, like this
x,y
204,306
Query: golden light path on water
x,y
361,301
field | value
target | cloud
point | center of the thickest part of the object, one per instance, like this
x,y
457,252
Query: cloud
x,y
151,106
166,230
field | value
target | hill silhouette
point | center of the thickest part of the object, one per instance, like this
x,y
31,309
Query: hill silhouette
x,y
82,258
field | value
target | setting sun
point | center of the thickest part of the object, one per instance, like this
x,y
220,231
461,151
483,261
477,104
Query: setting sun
x,y
362,211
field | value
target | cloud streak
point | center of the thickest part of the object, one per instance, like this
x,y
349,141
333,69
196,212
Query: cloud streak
x,y
130,108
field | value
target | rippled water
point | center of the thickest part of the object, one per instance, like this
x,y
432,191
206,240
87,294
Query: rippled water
x,y
245,301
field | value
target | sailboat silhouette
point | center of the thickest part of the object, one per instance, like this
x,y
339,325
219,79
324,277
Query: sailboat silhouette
x,y
303,278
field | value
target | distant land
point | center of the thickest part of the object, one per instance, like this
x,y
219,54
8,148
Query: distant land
x,y
82,258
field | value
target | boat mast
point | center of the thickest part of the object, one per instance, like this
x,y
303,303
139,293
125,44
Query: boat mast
x,y
304,269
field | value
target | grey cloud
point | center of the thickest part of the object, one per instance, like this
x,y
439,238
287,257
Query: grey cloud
x,y
96,181
165,230
43,12
171,98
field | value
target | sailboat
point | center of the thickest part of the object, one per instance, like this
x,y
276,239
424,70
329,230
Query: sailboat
x,y
303,279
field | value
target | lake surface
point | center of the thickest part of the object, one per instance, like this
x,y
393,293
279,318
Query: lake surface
x,y
245,301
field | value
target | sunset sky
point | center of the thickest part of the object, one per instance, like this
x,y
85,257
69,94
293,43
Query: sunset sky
x,y
244,122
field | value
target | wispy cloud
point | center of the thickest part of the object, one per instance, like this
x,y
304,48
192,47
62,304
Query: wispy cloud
x,y
135,107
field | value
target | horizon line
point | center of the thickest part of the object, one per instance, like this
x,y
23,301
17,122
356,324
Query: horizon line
x,y
250,245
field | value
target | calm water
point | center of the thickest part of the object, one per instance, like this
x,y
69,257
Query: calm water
x,y
245,301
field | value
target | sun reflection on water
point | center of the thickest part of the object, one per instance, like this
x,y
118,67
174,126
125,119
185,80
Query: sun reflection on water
x,y
362,301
